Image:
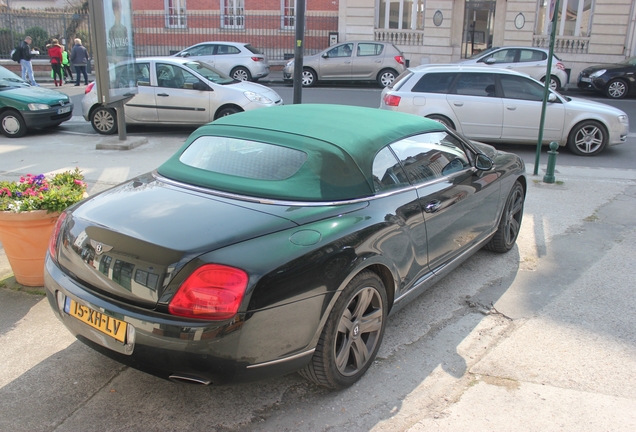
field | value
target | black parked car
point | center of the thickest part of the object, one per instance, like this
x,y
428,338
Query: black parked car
x,y
279,241
615,80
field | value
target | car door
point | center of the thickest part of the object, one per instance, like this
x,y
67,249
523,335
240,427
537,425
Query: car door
x,y
177,99
367,60
476,105
142,108
226,57
202,52
336,63
404,242
531,62
523,101
503,58
459,203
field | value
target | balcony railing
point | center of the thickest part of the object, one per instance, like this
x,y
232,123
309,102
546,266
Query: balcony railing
x,y
400,37
563,44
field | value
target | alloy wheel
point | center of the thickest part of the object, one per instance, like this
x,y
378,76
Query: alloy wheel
x,y
359,331
514,213
589,139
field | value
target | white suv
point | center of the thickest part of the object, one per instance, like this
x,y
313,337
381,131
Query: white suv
x,y
503,106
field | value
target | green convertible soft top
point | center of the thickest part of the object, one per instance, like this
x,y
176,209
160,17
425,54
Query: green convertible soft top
x,y
340,143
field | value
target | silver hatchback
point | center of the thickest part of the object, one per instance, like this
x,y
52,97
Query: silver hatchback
x,y
532,61
503,106
177,91
381,62
239,60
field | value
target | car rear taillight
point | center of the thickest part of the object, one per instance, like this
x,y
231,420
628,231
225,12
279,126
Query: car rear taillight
x,y
89,87
392,100
55,236
258,59
212,292
560,65
400,59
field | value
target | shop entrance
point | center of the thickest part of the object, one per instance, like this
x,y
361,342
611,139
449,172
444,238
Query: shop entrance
x,y
479,20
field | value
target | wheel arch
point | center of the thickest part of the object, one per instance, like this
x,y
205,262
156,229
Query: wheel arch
x,y
581,120
227,105
311,68
94,107
387,69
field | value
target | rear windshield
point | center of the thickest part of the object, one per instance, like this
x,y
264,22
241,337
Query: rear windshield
x,y
400,80
242,158
252,49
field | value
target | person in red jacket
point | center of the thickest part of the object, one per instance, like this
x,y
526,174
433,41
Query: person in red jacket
x,y
55,54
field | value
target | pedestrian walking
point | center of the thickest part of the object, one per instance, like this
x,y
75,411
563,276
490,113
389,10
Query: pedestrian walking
x,y
79,58
25,60
55,50
66,66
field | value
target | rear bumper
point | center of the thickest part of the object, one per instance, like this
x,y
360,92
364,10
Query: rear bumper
x,y
171,347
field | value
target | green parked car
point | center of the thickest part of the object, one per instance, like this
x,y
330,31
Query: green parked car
x,y
24,107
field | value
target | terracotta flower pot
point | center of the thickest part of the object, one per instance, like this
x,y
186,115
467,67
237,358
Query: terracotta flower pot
x,y
25,238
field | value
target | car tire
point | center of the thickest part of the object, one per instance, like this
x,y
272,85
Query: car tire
x,y
386,77
442,119
587,138
616,89
13,125
555,83
241,74
223,112
308,78
104,120
510,221
352,334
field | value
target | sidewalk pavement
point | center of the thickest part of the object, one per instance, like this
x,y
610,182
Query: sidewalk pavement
x,y
556,351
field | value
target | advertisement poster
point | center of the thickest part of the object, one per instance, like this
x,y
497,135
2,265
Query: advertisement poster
x,y
120,51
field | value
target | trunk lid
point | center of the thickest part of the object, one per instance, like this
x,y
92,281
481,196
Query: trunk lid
x,y
129,241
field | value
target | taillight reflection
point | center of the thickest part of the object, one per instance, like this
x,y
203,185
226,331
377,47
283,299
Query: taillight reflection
x,y
55,236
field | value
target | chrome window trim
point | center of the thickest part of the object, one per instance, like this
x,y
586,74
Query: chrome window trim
x,y
247,198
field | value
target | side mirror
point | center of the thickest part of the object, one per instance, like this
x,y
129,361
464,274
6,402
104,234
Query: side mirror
x,y
552,97
325,55
490,61
483,162
200,86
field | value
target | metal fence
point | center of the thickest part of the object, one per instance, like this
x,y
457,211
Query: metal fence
x,y
42,26
273,34
164,34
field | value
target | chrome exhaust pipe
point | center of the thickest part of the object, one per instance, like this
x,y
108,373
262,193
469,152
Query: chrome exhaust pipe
x,y
189,380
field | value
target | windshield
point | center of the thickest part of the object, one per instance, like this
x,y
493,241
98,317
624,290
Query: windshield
x,y
480,54
629,61
7,78
210,73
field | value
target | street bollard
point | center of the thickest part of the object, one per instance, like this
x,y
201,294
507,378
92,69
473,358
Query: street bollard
x,y
552,154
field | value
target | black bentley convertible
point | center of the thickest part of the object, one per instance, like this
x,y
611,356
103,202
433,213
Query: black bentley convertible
x,y
279,240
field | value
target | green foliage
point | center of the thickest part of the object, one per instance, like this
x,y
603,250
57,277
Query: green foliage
x,y
39,36
39,193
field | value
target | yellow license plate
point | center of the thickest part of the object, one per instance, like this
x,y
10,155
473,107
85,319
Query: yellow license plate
x,y
104,323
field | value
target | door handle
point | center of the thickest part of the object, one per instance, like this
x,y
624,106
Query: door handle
x,y
432,206
511,108
163,94
457,103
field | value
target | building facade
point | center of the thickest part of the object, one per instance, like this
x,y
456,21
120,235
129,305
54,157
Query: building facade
x,y
440,31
